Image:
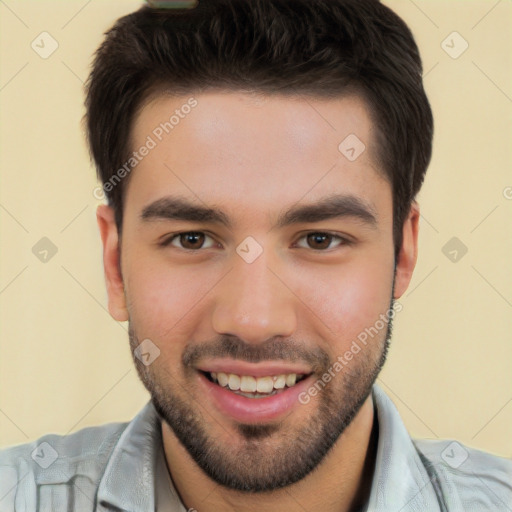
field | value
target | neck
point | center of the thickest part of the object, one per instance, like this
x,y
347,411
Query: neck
x,y
341,482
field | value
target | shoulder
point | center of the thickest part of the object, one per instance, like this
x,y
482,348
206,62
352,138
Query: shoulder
x,y
55,460
468,478
86,444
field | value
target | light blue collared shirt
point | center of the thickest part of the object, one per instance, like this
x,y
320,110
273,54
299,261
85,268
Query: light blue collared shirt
x,y
121,467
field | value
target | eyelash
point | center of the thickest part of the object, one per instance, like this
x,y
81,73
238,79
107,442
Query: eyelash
x,y
343,240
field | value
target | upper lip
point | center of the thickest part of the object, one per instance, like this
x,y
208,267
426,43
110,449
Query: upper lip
x,y
261,369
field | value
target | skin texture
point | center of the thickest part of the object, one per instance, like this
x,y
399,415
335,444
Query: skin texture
x,y
301,301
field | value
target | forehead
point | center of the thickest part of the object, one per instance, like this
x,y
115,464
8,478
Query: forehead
x,y
254,152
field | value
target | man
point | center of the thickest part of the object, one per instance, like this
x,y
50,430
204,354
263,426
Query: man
x,y
261,162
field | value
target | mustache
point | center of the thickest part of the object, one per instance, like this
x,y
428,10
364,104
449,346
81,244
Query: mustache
x,y
273,349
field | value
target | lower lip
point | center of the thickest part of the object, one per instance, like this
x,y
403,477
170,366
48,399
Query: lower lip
x,y
253,410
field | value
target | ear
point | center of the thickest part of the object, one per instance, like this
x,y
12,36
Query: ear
x,y
112,263
408,251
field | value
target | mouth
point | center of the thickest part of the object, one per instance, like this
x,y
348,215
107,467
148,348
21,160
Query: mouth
x,y
248,393
254,387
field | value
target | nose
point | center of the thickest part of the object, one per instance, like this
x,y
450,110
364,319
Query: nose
x,y
253,302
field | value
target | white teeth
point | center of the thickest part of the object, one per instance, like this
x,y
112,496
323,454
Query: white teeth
x,y
264,385
280,381
247,384
234,382
222,378
291,379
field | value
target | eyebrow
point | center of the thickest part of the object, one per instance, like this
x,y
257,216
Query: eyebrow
x,y
331,207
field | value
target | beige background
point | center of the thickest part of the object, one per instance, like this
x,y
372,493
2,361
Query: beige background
x,y
65,363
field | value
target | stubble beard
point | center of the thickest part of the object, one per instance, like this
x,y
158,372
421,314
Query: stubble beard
x,y
273,455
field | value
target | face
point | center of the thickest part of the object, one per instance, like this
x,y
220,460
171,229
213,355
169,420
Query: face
x,y
254,253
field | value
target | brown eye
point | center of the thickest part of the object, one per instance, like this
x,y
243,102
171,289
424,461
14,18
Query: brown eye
x,y
192,240
189,240
321,241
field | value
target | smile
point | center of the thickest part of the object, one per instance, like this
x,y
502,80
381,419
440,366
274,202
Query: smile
x,y
254,387
252,395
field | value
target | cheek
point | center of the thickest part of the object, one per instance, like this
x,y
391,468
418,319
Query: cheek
x,y
162,299
348,301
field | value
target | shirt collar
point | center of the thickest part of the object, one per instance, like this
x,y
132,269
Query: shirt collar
x,y
128,480
400,480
